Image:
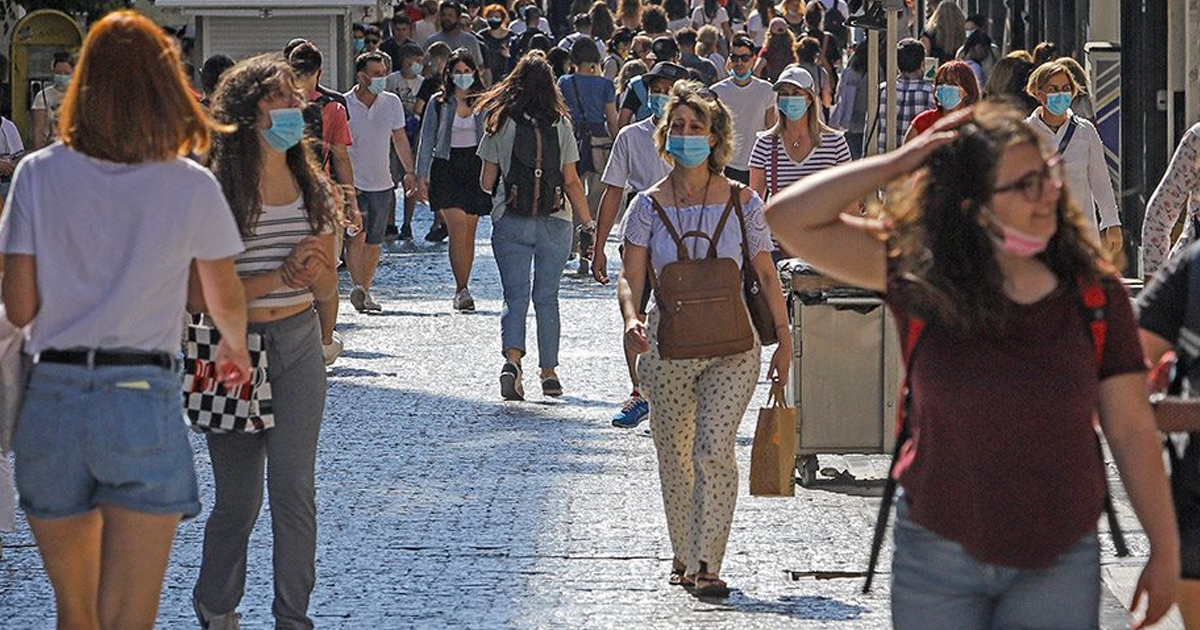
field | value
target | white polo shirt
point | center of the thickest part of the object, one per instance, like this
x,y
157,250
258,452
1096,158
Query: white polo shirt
x,y
371,129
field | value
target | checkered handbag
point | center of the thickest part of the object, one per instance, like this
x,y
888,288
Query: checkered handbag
x,y
210,407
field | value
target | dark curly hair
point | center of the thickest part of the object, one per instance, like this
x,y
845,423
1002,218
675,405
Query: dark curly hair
x,y
236,157
940,246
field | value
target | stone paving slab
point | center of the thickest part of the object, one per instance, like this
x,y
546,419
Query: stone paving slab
x,y
442,507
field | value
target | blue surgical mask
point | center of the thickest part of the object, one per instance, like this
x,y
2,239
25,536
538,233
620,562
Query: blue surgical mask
x,y
378,85
61,81
742,77
416,67
464,81
287,129
688,151
794,107
360,45
1059,102
970,31
658,104
950,96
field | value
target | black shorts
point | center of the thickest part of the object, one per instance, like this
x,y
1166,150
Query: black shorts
x,y
454,183
1185,490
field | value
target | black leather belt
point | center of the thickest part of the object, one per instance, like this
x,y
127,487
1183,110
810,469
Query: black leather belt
x,y
106,358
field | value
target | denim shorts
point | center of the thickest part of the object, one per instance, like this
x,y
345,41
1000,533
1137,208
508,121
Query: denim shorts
x,y
375,208
105,435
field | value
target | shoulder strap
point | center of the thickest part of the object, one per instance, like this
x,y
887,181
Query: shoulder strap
x,y
662,215
916,330
1072,125
774,165
733,202
579,98
1095,311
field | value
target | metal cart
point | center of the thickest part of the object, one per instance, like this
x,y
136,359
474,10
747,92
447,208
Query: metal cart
x,y
846,370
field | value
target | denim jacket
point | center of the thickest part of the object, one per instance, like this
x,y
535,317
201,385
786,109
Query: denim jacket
x,y
435,133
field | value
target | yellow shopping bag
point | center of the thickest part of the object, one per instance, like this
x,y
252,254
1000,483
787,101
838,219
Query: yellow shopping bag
x,y
773,457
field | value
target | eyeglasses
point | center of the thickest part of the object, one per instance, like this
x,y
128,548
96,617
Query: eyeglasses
x,y
740,58
1033,185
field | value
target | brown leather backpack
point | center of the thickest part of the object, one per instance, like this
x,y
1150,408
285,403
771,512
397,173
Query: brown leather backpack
x,y
702,311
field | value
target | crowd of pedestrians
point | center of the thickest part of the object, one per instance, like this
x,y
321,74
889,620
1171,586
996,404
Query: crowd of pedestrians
x,y
716,138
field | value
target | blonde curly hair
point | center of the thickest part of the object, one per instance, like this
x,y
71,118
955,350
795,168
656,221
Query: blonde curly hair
x,y
710,110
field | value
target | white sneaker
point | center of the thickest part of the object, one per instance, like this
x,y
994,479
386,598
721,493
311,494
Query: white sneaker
x,y
369,303
463,301
209,621
332,351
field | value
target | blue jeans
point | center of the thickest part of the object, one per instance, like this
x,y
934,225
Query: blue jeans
x,y
937,585
375,207
112,435
545,242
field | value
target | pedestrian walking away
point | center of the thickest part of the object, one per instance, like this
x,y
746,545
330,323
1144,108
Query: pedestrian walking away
x,y
529,158
698,399
103,464
985,262
634,166
1082,151
751,101
283,205
913,95
448,168
799,145
591,100
1178,194
1169,314
376,123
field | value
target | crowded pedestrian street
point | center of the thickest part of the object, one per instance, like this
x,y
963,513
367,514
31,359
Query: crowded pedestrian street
x,y
441,507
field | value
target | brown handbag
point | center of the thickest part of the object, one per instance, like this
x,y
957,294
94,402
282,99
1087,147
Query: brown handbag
x,y
701,310
756,297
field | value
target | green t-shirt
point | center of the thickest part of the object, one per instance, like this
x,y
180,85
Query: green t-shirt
x,y
497,149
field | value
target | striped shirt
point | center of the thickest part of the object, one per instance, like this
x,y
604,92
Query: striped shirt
x,y
278,230
781,171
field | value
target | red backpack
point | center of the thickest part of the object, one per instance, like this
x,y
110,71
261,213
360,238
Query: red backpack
x,y
1094,303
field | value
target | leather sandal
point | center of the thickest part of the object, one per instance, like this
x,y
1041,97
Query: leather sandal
x,y
709,585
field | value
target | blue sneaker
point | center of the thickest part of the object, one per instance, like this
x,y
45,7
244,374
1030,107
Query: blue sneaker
x,y
632,413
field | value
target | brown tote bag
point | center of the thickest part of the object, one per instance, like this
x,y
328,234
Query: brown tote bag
x,y
756,298
773,456
702,313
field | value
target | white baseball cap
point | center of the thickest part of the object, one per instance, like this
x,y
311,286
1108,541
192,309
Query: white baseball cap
x,y
796,76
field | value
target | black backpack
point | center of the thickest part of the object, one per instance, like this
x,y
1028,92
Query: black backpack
x,y
534,181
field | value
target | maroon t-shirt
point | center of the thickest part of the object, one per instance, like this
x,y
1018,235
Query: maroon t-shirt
x,y
1003,456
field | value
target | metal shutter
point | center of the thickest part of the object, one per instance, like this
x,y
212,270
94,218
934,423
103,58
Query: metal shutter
x,y
244,37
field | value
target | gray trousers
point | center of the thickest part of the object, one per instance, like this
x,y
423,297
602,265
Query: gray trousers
x,y
296,371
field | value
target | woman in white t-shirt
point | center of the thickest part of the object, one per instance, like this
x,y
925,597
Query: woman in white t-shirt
x,y
711,12
103,463
283,205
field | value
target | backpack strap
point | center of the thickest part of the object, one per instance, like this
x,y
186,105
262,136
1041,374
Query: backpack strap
x,y
916,330
1072,125
734,201
662,215
1095,312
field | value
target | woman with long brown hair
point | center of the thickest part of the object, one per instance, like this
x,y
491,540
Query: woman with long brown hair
x,y
531,222
284,207
1017,332
103,462
778,53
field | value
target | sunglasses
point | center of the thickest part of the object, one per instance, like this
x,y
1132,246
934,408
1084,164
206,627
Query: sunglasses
x,y
371,42
740,58
1033,185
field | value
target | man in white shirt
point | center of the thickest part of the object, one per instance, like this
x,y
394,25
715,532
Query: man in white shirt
x,y
634,166
376,118
752,102
1082,151
49,100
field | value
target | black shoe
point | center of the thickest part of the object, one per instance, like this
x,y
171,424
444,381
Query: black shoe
x,y
390,234
437,234
406,233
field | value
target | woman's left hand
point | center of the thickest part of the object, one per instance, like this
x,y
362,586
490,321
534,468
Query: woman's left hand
x,y
781,361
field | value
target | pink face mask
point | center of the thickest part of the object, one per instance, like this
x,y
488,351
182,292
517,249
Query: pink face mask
x,y
1017,243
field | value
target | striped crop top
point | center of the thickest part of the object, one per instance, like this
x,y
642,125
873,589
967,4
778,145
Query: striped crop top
x,y
279,229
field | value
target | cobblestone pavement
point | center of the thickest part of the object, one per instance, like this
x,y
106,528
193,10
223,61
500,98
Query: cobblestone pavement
x,y
442,507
